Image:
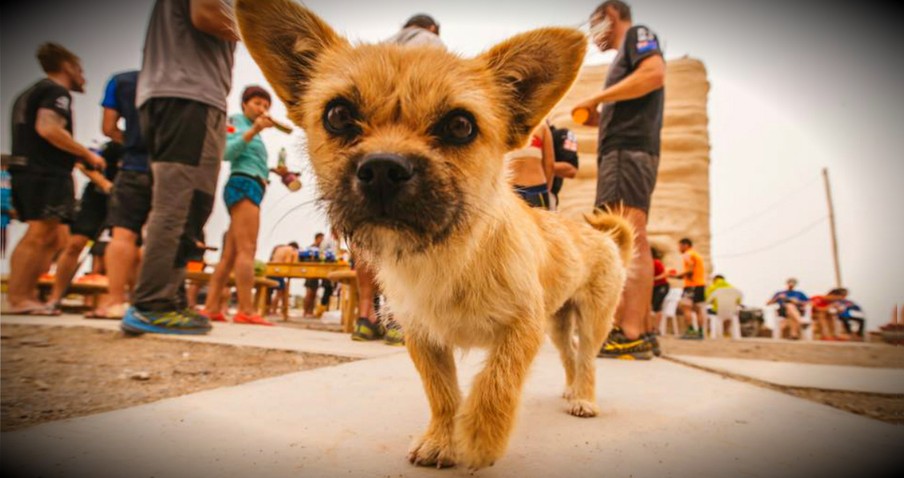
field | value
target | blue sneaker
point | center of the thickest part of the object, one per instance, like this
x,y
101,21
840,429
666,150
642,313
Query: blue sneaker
x,y
137,322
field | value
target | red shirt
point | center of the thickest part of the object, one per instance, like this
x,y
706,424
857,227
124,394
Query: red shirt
x,y
658,269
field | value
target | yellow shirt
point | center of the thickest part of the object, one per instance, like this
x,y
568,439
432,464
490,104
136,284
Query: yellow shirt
x,y
693,263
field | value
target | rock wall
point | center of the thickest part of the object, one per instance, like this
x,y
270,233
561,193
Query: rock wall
x,y
680,205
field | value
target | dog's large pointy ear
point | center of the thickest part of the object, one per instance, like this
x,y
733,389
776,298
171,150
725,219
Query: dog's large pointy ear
x,y
285,39
535,70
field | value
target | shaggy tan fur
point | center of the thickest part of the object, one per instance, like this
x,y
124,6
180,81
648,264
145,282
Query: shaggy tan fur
x,y
462,260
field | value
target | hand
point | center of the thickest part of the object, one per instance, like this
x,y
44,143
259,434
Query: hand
x,y
95,161
106,186
590,105
262,122
280,170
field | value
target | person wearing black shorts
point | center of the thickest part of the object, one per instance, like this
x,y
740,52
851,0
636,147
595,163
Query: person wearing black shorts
x,y
43,193
628,157
130,203
90,220
660,288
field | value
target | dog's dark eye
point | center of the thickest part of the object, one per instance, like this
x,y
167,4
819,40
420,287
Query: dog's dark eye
x,y
339,118
458,128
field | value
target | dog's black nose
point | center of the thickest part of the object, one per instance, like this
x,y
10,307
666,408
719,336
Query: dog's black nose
x,y
384,172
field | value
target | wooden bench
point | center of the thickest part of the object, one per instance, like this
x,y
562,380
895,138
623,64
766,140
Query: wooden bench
x,y
262,286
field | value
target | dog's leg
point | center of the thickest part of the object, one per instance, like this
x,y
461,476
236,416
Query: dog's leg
x,y
436,366
486,419
561,331
594,321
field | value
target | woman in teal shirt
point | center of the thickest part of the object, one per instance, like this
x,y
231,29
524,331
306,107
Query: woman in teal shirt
x,y
243,194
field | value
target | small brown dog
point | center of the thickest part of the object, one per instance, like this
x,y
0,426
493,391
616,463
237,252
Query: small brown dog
x,y
406,144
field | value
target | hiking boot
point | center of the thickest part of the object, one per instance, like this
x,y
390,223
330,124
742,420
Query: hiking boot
x,y
252,319
618,346
654,343
182,322
365,330
394,334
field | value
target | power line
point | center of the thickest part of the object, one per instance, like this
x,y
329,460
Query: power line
x,y
779,202
799,233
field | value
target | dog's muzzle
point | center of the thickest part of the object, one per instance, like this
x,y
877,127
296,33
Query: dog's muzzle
x,y
381,176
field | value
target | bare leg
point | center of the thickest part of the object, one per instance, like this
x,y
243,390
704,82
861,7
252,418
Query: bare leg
x,y
122,253
29,260
66,266
793,320
246,217
221,275
365,276
634,306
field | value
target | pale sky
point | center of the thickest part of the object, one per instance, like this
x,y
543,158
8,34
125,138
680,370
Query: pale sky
x,y
795,87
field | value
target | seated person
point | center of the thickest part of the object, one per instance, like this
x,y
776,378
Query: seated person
x,y
824,314
848,311
791,303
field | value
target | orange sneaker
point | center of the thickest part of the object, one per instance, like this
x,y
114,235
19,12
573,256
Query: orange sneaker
x,y
214,317
253,319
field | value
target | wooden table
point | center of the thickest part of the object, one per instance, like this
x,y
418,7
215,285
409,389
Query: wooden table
x,y
302,270
262,287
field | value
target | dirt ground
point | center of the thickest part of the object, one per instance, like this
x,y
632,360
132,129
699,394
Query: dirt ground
x,y
51,373
888,408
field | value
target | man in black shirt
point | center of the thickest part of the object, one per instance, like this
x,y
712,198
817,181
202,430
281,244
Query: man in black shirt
x,y
628,157
42,188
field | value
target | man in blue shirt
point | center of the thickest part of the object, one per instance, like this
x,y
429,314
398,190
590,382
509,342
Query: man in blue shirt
x,y
791,305
130,203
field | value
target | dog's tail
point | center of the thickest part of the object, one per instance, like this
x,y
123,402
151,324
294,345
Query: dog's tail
x,y
614,223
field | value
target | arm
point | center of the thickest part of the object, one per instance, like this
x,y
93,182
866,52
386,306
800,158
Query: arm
x,y
236,142
109,126
564,170
549,155
52,127
648,77
214,17
96,177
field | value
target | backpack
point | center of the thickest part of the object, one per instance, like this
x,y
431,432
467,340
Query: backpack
x,y
565,147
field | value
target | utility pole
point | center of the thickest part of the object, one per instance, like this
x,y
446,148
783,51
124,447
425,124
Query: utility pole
x,y
825,177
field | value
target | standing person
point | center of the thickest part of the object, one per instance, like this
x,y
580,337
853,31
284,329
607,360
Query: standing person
x,y
89,221
130,203
660,290
532,168
43,193
566,160
791,303
243,194
186,74
330,248
693,301
7,213
311,285
628,156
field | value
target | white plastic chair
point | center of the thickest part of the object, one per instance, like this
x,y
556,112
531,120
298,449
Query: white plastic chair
x,y
670,311
729,300
806,321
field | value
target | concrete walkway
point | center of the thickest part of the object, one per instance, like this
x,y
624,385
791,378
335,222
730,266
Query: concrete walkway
x,y
659,419
826,377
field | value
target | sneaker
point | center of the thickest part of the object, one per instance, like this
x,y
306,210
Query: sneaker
x,y
693,334
214,317
618,346
366,330
138,322
654,343
252,319
394,335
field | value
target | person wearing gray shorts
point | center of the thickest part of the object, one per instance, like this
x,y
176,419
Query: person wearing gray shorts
x,y
628,159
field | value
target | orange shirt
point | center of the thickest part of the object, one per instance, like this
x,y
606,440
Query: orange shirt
x,y
693,263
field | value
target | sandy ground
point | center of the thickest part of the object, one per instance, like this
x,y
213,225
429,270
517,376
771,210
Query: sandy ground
x,y
50,373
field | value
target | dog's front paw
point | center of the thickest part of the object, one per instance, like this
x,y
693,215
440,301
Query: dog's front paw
x,y
432,450
583,408
478,443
